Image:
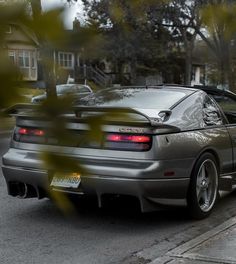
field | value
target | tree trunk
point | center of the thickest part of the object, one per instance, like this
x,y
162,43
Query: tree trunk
x,y
133,73
46,53
229,72
225,65
48,71
36,8
188,68
188,61
119,67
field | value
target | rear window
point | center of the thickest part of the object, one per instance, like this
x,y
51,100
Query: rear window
x,y
136,98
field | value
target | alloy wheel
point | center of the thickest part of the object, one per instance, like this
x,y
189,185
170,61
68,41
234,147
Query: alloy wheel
x,y
207,185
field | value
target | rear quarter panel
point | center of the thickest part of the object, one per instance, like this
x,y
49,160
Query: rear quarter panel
x,y
191,144
196,137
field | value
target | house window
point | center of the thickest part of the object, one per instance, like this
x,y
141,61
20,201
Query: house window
x,y
33,60
24,59
12,56
66,60
27,62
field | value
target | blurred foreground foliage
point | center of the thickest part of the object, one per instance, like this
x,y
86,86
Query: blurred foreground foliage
x,y
51,35
10,77
161,37
219,19
146,33
49,30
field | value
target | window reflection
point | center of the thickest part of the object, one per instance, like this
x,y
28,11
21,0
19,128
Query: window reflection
x,y
136,98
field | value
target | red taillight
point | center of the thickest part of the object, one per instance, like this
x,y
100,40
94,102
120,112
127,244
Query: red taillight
x,y
114,138
141,139
128,138
128,142
39,132
29,135
31,132
23,131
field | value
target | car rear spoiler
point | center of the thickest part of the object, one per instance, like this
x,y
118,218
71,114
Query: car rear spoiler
x,y
25,110
153,121
20,109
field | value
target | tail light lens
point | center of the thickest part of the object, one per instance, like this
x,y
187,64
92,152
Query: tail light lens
x,y
31,132
128,142
29,135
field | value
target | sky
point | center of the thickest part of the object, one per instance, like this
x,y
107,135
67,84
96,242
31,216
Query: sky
x,y
70,12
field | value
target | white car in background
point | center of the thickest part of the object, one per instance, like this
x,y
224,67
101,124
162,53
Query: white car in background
x,y
76,90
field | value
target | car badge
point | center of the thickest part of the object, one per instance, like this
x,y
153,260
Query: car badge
x,y
131,130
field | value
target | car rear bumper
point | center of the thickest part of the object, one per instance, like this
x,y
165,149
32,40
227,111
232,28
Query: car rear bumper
x,y
142,179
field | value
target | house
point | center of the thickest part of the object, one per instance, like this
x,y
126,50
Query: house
x,y
68,62
22,46
23,50
66,59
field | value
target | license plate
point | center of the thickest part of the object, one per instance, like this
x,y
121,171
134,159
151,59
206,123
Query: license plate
x,y
66,180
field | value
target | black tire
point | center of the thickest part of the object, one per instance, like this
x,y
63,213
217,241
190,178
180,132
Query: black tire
x,y
203,188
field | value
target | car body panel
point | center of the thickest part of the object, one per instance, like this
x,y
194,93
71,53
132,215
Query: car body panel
x,y
232,132
160,174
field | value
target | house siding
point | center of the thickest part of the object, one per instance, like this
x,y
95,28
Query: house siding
x,y
24,49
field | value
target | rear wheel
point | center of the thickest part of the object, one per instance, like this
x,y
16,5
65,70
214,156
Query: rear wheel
x,y
203,189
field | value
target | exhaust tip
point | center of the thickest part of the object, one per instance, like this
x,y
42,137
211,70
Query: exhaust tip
x,y
22,190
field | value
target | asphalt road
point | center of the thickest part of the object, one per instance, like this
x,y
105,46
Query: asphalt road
x,y
33,231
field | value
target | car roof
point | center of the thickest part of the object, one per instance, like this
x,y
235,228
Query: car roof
x,y
161,86
215,91
208,89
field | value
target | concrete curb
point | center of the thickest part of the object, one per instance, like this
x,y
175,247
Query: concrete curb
x,y
181,252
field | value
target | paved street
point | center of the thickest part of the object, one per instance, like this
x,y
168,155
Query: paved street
x,y
33,231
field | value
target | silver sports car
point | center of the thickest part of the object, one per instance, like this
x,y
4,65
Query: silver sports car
x,y
176,146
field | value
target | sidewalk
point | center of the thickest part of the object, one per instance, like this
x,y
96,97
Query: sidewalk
x,y
215,246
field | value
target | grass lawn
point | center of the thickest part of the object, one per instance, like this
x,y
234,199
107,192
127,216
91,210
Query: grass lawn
x,y
28,93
